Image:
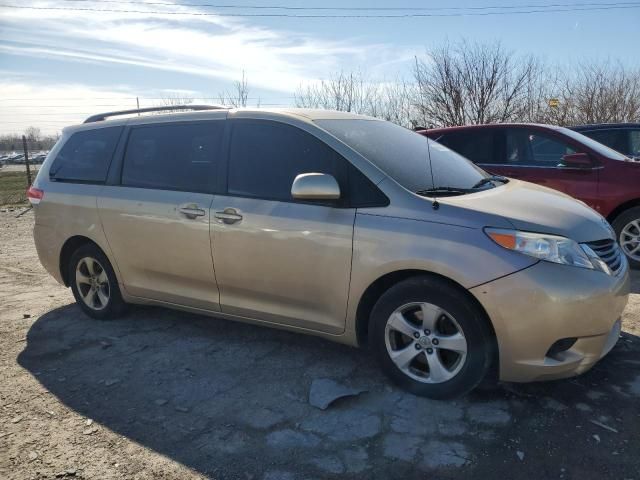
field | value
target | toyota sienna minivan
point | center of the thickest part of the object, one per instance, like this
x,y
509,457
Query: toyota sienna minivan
x,y
337,225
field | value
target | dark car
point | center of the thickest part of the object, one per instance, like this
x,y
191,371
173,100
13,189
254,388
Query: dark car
x,y
559,158
623,137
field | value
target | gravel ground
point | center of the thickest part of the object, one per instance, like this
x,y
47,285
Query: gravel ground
x,y
164,394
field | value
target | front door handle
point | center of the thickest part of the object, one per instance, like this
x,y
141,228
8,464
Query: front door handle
x,y
228,216
191,211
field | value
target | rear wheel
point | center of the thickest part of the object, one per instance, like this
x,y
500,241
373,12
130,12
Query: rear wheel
x,y
94,283
627,228
430,338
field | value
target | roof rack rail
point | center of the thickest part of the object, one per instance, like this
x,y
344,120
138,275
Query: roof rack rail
x,y
103,116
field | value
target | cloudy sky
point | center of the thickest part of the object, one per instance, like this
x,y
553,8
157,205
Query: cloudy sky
x,y
61,61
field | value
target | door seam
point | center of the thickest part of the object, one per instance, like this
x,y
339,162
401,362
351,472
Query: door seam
x,y
213,263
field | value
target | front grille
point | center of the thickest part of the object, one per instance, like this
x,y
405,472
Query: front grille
x,y
610,253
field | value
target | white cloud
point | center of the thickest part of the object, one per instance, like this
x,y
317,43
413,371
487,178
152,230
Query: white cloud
x,y
53,107
213,47
209,47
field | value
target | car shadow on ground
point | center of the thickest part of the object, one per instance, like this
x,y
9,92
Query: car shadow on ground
x,y
231,400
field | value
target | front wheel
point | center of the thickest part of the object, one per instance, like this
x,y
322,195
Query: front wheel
x,y
94,283
430,338
627,228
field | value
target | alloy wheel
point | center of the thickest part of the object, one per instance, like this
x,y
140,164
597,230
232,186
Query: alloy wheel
x,y
425,342
630,239
92,283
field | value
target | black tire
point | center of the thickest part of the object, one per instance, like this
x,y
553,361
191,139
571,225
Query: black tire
x,y
115,306
469,319
618,225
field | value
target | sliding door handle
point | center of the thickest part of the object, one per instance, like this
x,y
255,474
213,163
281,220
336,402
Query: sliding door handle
x,y
192,211
228,216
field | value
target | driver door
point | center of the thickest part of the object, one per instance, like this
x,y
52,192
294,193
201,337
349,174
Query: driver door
x,y
278,259
536,156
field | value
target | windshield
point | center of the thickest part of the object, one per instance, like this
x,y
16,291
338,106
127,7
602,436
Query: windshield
x,y
593,145
414,161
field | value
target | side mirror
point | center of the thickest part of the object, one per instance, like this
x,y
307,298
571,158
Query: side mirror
x,y
576,160
315,186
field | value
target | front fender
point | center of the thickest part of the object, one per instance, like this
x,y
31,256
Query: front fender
x,y
386,244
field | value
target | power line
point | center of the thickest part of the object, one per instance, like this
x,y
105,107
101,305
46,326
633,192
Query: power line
x,y
217,98
307,8
334,16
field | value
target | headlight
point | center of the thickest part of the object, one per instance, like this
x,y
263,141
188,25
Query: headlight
x,y
550,248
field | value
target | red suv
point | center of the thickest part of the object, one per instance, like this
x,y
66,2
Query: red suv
x,y
558,158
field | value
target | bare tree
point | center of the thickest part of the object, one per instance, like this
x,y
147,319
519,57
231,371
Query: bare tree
x,y
175,99
35,139
602,92
347,92
474,83
351,92
33,134
239,95
590,93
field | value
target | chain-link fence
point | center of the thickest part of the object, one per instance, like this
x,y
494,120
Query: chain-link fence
x,y
17,171
13,188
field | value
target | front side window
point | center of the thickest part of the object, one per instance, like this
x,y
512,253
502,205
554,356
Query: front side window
x,y
173,156
266,157
86,156
524,147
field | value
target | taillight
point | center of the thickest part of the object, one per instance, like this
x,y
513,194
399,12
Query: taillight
x,y
35,195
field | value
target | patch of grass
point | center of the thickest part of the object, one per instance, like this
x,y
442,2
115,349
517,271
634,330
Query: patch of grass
x,y
13,188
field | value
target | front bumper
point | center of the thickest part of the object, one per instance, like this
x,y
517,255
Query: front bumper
x,y
532,309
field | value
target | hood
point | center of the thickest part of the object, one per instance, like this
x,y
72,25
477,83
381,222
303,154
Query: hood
x,y
532,208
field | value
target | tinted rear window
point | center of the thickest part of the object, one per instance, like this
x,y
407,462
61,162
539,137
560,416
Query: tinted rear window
x,y
173,156
86,156
635,142
614,138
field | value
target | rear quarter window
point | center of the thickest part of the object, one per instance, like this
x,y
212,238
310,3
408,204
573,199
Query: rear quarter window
x,y
476,145
86,156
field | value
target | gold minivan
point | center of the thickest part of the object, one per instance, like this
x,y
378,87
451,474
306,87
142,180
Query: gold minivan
x,y
337,225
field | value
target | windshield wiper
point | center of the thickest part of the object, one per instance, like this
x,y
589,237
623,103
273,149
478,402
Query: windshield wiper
x,y
450,191
444,191
492,178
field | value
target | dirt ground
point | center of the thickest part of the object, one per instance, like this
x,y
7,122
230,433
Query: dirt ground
x,y
164,395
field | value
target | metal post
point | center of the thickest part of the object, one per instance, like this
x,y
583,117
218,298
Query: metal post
x,y
138,103
26,160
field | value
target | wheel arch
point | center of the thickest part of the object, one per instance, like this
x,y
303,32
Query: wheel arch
x,y
622,208
386,281
70,246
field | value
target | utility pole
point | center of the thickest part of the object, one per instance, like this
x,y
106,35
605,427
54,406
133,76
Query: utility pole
x,y
26,160
138,103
